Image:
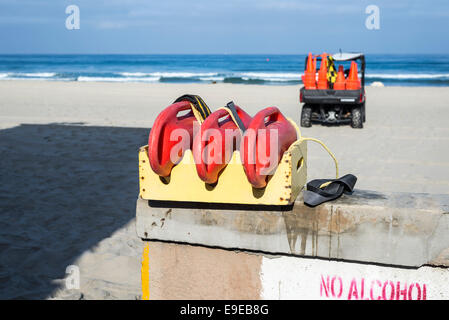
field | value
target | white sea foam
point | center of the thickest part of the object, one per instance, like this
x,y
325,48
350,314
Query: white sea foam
x,y
24,76
408,76
169,74
212,78
117,79
38,74
270,76
205,76
134,74
184,74
286,75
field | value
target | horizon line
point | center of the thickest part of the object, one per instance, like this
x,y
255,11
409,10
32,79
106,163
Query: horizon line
x,y
261,54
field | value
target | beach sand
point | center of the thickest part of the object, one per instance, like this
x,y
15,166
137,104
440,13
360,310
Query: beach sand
x,y
68,169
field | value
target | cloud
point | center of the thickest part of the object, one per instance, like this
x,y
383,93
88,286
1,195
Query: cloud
x,y
241,26
123,24
21,20
324,7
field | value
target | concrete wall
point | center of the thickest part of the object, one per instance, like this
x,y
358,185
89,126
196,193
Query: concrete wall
x,y
194,272
181,271
364,246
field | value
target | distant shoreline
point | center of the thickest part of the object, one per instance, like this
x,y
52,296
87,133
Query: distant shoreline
x,y
299,84
392,70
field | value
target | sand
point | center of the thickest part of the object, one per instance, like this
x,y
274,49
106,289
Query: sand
x,y
68,169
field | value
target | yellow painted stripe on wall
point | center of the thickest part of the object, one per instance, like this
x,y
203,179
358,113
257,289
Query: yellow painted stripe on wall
x,y
145,272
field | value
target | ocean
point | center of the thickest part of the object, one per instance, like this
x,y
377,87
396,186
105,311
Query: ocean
x,y
391,70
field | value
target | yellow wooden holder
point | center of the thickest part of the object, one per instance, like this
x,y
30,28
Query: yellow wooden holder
x,y
184,185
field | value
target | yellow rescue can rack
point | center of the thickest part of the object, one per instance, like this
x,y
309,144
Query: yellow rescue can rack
x,y
184,185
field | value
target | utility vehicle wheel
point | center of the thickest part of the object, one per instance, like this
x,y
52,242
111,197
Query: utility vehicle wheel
x,y
306,116
357,118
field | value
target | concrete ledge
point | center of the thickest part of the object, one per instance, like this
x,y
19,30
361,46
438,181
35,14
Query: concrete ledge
x,y
400,229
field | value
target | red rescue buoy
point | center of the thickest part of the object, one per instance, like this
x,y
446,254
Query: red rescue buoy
x,y
268,136
170,136
214,145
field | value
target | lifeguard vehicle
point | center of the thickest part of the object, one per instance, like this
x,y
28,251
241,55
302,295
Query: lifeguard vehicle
x,y
331,95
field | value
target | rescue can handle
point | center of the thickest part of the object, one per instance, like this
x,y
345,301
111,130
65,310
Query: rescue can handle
x,y
272,113
155,131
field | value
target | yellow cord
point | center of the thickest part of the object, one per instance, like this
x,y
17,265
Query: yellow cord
x,y
196,113
328,151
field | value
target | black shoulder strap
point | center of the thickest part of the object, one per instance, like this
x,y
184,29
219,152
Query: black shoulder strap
x,y
314,195
231,109
197,102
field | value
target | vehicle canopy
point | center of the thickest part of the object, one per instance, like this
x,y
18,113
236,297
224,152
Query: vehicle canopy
x,y
345,56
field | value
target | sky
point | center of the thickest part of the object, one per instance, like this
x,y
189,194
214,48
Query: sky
x,y
223,27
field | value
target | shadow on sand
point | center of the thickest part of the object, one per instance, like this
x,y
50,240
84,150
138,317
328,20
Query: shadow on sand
x,y
63,188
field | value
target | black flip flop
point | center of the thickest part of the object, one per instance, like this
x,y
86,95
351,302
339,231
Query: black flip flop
x,y
314,195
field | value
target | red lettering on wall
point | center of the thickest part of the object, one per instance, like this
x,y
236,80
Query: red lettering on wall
x,y
418,291
353,290
400,292
324,285
384,290
340,292
335,286
372,290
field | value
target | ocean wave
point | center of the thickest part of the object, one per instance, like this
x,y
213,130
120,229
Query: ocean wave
x,y
407,76
170,74
184,74
133,74
27,75
269,79
272,75
117,79
181,76
266,77
403,70
212,78
38,74
243,77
